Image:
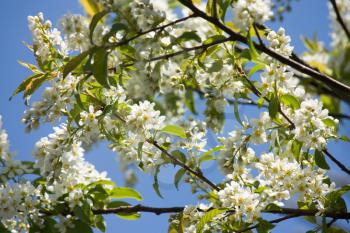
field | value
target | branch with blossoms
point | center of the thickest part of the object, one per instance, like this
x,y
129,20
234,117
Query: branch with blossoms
x,y
340,18
334,84
154,83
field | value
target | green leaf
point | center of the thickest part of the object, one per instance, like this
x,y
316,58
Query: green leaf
x,y
255,69
320,160
174,130
99,67
335,230
126,216
273,107
179,155
208,217
129,216
156,184
83,212
115,28
32,67
79,227
49,226
296,148
74,63
252,50
139,150
273,206
100,223
94,21
210,7
125,192
90,6
291,101
330,123
264,226
213,39
189,35
28,83
223,6
35,83
235,110
207,156
3,228
216,66
179,174
103,182
189,101
24,84
115,204
344,138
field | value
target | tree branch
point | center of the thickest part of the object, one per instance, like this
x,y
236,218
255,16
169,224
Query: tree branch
x,y
337,162
335,84
160,28
183,165
139,208
258,94
340,19
178,162
272,221
185,50
160,210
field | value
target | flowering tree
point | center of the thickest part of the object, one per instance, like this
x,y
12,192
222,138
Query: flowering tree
x,y
136,73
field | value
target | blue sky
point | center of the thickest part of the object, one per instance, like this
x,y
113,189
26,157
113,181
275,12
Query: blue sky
x,y
308,17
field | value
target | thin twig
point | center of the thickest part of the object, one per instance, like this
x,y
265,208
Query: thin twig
x,y
185,50
183,165
160,28
272,221
258,94
340,19
337,162
331,222
176,161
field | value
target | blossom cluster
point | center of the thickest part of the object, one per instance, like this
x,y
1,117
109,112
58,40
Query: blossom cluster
x,y
246,12
139,94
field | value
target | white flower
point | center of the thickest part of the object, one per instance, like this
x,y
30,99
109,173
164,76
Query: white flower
x,y
145,14
245,12
76,31
311,125
143,120
279,42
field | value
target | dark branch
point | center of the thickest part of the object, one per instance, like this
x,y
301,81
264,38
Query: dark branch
x,y
178,162
160,28
139,208
337,162
340,19
336,85
178,209
272,221
183,165
185,50
258,94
